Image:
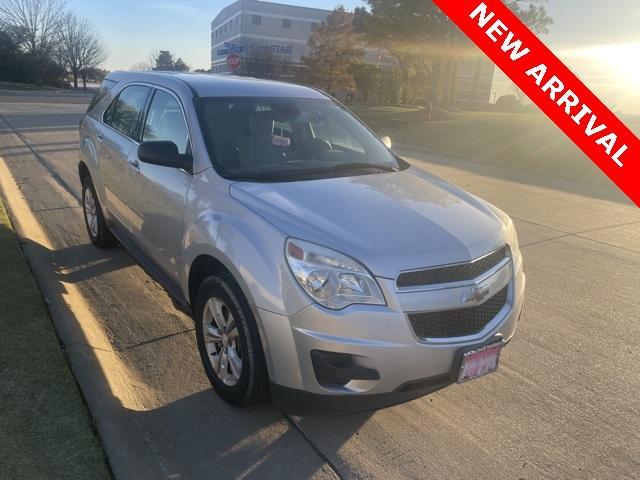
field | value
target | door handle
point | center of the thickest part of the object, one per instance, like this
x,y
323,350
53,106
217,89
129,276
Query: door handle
x,y
135,165
100,136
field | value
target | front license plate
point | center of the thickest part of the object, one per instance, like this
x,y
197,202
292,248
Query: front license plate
x,y
480,362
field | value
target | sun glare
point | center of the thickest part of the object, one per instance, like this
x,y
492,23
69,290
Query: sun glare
x,y
621,59
613,71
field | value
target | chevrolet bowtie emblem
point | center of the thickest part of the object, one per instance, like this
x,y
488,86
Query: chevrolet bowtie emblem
x,y
475,295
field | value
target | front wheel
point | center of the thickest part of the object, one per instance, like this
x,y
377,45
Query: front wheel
x,y
229,342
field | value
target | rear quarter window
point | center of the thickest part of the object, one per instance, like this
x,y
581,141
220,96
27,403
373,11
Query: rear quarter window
x,y
104,88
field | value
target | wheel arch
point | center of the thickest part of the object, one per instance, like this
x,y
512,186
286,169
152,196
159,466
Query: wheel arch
x,y
203,266
83,170
206,265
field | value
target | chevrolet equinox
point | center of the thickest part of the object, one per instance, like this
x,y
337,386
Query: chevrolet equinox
x,y
320,267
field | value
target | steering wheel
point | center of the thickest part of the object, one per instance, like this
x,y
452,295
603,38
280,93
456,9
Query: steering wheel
x,y
320,144
315,146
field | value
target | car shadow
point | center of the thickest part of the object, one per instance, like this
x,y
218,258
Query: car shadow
x,y
200,436
165,420
81,262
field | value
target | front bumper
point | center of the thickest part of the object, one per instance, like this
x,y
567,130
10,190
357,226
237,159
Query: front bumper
x,y
379,338
299,402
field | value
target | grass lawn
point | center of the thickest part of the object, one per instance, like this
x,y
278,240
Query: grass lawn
x,y
45,427
528,141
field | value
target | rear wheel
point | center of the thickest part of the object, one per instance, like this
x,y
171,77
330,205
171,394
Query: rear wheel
x,y
99,233
229,342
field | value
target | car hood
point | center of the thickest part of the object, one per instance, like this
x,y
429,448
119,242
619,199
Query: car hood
x,y
389,221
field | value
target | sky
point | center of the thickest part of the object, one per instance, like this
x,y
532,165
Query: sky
x,y
599,40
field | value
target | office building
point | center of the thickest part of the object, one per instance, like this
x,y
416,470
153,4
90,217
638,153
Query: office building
x,y
267,39
252,28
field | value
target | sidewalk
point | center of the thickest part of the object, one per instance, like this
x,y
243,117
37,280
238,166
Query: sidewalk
x,y
45,427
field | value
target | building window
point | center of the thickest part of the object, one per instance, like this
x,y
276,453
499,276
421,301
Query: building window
x,y
225,27
286,23
237,19
256,20
314,25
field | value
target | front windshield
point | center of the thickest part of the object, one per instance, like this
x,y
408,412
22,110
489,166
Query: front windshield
x,y
284,139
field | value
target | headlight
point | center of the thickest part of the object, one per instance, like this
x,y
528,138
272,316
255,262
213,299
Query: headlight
x,y
330,278
512,236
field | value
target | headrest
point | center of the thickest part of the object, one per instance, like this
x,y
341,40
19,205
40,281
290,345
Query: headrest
x,y
261,123
217,112
171,123
172,116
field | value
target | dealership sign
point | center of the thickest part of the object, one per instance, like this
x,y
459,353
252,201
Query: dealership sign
x,y
516,50
230,48
233,61
281,49
273,48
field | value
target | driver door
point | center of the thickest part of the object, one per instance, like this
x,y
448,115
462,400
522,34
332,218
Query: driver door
x,y
159,194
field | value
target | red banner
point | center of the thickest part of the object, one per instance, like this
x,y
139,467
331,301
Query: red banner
x,y
516,50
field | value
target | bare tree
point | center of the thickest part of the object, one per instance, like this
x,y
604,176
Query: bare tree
x,y
141,67
38,21
92,53
70,37
80,48
146,65
153,58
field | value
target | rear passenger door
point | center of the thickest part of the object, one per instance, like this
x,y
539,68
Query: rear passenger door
x,y
119,136
159,194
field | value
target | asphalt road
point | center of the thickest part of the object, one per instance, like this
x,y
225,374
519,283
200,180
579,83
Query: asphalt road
x,y
565,403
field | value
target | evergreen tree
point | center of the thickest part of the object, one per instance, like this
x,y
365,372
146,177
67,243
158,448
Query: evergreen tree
x,y
334,47
422,38
166,62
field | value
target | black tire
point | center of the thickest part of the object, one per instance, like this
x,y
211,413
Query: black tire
x,y
252,386
101,236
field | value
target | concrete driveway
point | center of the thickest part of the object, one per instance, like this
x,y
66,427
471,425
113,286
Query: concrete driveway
x,y
565,403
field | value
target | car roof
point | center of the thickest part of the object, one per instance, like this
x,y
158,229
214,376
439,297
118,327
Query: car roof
x,y
212,85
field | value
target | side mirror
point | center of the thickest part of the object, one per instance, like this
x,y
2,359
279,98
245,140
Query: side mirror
x,y
164,154
386,140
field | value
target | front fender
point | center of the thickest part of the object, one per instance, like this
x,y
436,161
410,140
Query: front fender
x,y
248,246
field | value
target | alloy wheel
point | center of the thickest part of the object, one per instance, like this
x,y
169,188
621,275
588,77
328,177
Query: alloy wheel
x,y
222,341
90,211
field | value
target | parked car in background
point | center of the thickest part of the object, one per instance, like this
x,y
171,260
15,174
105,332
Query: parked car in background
x,y
317,264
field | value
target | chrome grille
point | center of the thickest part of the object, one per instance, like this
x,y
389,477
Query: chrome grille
x,y
452,273
459,322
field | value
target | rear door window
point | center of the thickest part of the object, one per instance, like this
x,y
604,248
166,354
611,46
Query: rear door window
x,y
125,111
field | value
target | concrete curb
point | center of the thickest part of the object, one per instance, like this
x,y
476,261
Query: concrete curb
x,y
104,380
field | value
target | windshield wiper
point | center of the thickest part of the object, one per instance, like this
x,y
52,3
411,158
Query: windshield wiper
x,y
261,177
345,167
295,174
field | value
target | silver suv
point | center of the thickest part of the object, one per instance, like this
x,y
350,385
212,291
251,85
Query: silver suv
x,y
317,264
